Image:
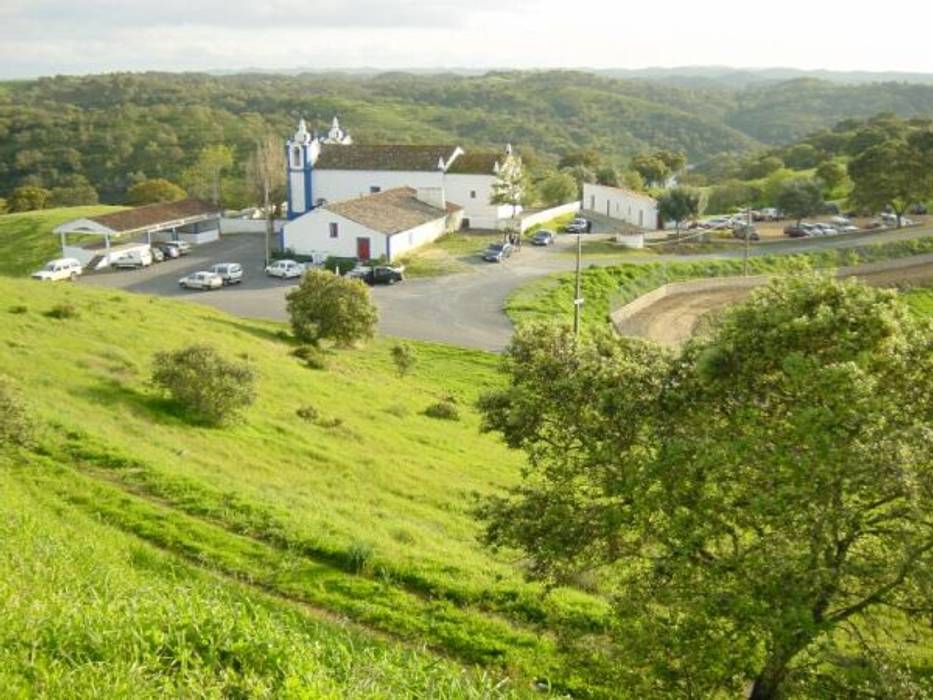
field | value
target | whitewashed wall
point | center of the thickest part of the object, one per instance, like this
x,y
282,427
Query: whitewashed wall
x,y
335,185
460,189
311,234
630,207
545,215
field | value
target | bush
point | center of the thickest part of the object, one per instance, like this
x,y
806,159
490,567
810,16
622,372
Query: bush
x,y
404,358
326,306
442,410
311,356
19,309
341,265
204,383
63,311
307,412
15,426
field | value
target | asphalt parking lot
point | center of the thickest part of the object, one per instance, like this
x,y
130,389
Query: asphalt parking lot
x,y
464,309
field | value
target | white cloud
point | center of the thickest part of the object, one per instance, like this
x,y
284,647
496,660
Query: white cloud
x,y
63,36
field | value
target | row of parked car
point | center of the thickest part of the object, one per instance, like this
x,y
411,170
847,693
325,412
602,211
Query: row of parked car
x,y
370,274
835,226
156,253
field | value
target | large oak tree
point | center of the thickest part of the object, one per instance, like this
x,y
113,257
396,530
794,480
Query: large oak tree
x,y
757,506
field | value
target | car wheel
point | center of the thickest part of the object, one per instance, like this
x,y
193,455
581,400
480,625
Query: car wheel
x,y
73,277
392,280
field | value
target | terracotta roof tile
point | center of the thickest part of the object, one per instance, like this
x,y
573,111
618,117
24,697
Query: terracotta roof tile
x,y
390,212
152,215
478,163
399,157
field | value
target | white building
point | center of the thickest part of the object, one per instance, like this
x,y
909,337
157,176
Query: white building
x,y
330,168
624,205
389,223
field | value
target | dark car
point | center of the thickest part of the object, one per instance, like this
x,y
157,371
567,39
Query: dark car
x,y
796,232
497,252
168,251
380,274
542,237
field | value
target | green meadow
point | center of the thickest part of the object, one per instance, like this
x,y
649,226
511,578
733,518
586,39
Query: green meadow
x,y
363,510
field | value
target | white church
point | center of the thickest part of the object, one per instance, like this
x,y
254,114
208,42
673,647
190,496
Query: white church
x,y
364,201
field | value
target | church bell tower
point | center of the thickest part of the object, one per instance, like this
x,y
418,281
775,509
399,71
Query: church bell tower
x,y
300,153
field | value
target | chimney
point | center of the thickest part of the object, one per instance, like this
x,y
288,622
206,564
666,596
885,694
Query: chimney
x,y
434,196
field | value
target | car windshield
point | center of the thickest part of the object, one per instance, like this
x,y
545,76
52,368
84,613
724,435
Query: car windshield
x,y
496,246
51,267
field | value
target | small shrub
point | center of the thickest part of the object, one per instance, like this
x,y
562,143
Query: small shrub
x,y
404,358
62,311
442,410
358,556
15,426
313,357
308,413
204,383
19,309
398,410
328,307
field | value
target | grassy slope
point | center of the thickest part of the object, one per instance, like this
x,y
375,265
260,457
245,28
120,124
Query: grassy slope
x,y
607,288
26,240
86,611
921,301
369,518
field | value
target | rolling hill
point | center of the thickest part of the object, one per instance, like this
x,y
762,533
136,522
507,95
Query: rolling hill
x,y
335,498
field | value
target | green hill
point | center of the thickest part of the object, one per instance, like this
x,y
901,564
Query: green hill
x,y
362,510
27,241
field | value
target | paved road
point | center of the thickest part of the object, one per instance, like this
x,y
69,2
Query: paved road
x,y
463,309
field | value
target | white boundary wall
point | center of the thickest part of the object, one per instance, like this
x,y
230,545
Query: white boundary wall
x,y
540,217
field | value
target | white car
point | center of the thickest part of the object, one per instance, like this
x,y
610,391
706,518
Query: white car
x,y
134,258
285,269
183,247
230,273
202,280
60,269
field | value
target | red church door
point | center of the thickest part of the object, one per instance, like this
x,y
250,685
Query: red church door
x,y
362,248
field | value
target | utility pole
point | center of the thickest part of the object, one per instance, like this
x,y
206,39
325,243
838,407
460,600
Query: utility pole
x,y
578,294
748,232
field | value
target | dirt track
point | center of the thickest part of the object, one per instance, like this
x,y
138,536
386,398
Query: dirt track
x,y
673,319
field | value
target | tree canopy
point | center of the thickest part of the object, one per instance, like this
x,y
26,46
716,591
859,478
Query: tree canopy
x,y
758,505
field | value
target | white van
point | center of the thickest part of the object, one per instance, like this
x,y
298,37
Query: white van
x,y
60,269
134,258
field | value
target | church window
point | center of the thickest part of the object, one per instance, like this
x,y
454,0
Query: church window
x,y
472,194
333,229
374,190
296,156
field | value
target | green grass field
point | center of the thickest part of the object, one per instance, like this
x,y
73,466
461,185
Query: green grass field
x,y
90,612
364,513
27,241
607,288
921,301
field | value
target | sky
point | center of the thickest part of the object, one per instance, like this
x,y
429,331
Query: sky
x,y
47,37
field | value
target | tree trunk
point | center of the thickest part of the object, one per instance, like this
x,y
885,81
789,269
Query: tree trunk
x,y
767,684
270,225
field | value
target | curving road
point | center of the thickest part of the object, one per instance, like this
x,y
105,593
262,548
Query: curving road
x,y
463,309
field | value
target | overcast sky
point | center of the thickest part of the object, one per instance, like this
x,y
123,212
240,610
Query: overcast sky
x,y
43,37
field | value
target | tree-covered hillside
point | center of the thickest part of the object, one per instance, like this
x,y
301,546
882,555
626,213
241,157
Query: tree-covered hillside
x,y
111,131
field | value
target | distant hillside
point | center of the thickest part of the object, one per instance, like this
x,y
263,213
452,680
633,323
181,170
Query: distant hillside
x,y
114,129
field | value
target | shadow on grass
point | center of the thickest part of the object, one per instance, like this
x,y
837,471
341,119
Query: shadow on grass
x,y
276,336
152,407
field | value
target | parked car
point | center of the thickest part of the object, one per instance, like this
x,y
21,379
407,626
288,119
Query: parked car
x,y
497,252
182,247
59,269
204,280
230,273
542,237
767,214
168,251
578,225
157,254
740,232
133,259
380,274
918,209
285,269
795,231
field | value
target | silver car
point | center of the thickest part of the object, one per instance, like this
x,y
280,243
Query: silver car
x,y
230,273
203,280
